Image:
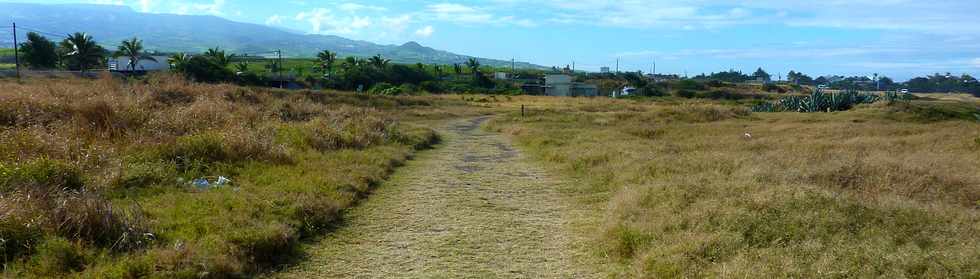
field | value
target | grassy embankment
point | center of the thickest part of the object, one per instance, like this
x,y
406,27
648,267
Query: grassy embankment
x,y
95,174
879,191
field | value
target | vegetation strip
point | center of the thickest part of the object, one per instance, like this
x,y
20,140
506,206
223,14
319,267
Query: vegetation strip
x,y
100,178
701,189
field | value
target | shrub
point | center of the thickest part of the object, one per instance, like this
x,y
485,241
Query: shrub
x,y
19,232
40,174
719,94
769,87
684,93
380,88
652,90
195,152
57,256
702,113
202,69
316,214
141,174
269,244
353,131
689,84
89,217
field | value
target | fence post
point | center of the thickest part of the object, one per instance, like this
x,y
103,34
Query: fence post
x,y
16,52
522,111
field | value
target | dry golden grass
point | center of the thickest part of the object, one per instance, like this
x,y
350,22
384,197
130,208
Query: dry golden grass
x,y
874,192
94,174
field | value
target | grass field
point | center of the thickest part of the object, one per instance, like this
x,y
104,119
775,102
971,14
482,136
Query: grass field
x,y
96,175
96,178
880,191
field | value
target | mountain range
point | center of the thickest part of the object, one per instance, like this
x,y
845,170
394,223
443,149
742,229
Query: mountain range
x,y
110,24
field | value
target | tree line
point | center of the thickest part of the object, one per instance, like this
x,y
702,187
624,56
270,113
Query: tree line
x,y
81,52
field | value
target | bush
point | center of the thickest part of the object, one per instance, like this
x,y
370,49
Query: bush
x,y
684,93
380,88
358,131
719,94
40,174
428,86
146,173
689,84
652,90
770,87
195,152
702,113
57,256
18,232
89,217
202,69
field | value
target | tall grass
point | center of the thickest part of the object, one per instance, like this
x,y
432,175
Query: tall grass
x,y
95,174
870,192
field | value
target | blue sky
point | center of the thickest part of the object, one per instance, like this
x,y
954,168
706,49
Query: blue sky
x,y
897,38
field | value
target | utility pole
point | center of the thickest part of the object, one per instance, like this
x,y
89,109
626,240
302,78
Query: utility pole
x,y
16,52
513,67
279,68
654,67
617,65
573,67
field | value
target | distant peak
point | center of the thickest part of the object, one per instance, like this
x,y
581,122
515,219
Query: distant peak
x,y
412,45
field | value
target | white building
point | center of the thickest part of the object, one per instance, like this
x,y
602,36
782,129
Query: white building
x,y
564,86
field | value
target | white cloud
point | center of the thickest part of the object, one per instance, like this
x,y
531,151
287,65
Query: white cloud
x,y
322,21
462,14
145,5
183,8
354,7
912,15
274,20
425,32
396,24
107,2
975,63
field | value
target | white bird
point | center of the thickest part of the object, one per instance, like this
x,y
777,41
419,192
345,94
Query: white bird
x,y
748,136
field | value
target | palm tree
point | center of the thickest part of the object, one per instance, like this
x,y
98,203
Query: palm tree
x,y
327,59
351,62
133,49
473,64
82,52
242,67
378,61
219,56
438,70
178,61
458,69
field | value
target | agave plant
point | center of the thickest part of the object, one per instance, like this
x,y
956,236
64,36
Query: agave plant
x,y
818,101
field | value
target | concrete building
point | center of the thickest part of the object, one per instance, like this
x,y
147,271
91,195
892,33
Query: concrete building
x,y
121,64
564,86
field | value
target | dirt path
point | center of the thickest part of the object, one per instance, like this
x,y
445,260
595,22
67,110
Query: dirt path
x,y
473,208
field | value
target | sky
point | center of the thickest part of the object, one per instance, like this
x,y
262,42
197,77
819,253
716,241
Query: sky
x,y
897,38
